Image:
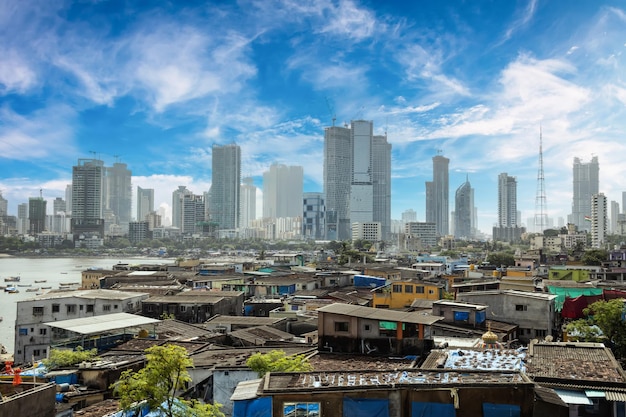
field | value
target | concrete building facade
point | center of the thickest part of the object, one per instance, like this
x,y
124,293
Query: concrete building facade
x,y
33,337
586,183
437,196
225,186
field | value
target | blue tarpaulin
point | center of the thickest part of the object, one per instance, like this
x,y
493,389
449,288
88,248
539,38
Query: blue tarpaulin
x,y
481,316
258,407
432,410
461,316
369,281
501,410
365,407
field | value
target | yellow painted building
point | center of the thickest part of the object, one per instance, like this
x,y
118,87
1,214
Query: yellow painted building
x,y
400,294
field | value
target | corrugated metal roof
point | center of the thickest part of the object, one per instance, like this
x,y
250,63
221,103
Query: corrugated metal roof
x,y
246,390
379,314
573,397
102,323
615,396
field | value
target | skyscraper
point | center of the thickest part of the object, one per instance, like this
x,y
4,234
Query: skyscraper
x,y
225,186
4,215
36,214
192,212
87,197
463,211
357,179
508,228
381,176
586,183
4,206
22,218
598,220
178,197
409,215
282,191
507,201
337,182
361,186
119,194
614,217
313,216
248,203
145,202
437,196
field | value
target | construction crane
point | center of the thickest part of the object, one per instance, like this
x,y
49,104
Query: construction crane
x,y
331,111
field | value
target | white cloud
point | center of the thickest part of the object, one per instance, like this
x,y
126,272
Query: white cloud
x,y
350,21
525,16
16,75
44,134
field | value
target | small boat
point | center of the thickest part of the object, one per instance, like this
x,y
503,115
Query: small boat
x,y
11,290
12,279
64,273
46,288
41,280
32,289
24,285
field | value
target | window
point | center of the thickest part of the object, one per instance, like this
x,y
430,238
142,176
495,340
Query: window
x,y
106,307
431,291
149,308
42,332
37,311
71,308
408,289
396,288
301,409
81,307
183,308
23,332
56,308
540,333
36,352
114,306
342,326
419,290
89,308
521,307
366,327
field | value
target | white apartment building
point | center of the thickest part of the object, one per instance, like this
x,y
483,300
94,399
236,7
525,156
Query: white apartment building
x,y
370,231
32,336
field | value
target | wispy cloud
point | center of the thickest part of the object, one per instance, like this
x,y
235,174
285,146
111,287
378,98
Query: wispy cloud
x,y
525,16
40,135
16,75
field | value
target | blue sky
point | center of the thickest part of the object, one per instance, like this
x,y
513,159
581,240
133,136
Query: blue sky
x,y
155,86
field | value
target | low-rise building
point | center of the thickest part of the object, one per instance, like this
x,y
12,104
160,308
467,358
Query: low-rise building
x,y
400,392
534,313
400,294
194,306
354,329
32,336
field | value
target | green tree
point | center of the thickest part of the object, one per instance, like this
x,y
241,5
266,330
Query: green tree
x,y
501,258
608,316
159,381
278,361
61,358
582,331
594,257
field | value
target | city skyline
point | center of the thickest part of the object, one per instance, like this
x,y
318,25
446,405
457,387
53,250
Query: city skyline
x,y
155,88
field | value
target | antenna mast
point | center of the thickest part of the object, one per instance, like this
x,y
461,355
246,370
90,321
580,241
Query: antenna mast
x,y
541,208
